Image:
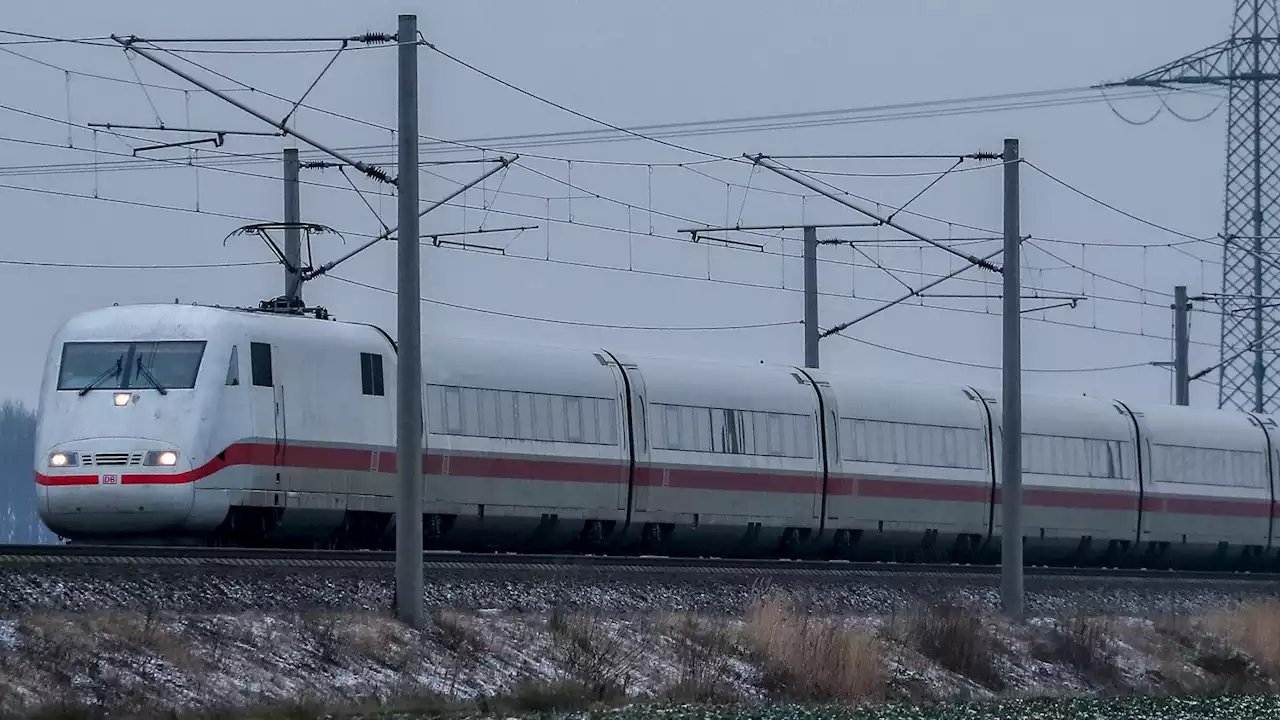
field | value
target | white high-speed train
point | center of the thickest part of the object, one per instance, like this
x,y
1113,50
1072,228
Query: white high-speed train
x,y
193,424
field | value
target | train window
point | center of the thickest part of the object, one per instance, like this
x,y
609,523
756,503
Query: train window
x,y
524,416
734,432
701,420
777,442
760,424
371,381
608,418
800,435
1208,466
573,419
470,411
453,411
507,414
122,365
1073,457
512,415
542,417
233,366
260,364
720,439
667,426
556,409
910,444
590,421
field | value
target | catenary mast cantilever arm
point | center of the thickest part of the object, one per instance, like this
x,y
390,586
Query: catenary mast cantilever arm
x,y
795,177
908,296
502,163
365,168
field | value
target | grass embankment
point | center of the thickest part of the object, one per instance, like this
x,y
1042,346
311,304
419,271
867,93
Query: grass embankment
x,y
774,661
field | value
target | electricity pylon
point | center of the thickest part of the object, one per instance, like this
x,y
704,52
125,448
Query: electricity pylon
x,y
1248,66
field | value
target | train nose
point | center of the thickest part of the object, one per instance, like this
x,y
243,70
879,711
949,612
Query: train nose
x,y
114,487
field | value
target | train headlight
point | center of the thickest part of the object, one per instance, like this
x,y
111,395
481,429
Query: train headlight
x,y
64,459
121,399
161,458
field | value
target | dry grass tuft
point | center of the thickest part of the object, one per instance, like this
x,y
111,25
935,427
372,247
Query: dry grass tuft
x,y
1247,652
956,638
813,659
1256,630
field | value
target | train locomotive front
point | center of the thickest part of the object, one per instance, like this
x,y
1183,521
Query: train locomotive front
x,y
126,402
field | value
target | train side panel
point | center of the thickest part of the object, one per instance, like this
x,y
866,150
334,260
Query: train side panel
x,y
305,433
1208,494
1079,477
734,461
525,446
913,477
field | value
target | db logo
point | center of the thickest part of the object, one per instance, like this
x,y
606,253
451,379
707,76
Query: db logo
x,y
110,479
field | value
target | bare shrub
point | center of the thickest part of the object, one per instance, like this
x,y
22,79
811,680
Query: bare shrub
x,y
702,653
378,638
956,638
465,646
454,635
1081,642
812,659
53,649
593,656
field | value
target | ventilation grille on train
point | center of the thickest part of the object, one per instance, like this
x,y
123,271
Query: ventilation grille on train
x,y
112,458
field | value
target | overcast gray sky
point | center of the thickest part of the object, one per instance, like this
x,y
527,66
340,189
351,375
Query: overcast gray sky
x,y
634,64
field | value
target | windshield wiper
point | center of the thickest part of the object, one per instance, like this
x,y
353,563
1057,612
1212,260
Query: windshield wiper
x,y
105,374
144,370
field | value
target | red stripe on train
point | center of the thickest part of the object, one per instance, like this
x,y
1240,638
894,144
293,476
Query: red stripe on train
x,y
360,460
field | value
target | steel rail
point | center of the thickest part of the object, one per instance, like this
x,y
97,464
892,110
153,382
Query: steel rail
x,y
32,556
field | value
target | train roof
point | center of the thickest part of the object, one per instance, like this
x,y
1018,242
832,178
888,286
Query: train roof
x,y
705,383
906,401
175,321
1080,416
1203,427
693,380
504,365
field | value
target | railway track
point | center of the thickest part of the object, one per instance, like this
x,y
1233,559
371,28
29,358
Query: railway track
x,y
30,557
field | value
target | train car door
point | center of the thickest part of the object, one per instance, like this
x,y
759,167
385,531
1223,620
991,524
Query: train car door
x,y
830,447
989,407
827,430
1270,430
636,414
268,408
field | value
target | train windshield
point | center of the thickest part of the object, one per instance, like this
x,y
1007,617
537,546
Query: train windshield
x,y
164,365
